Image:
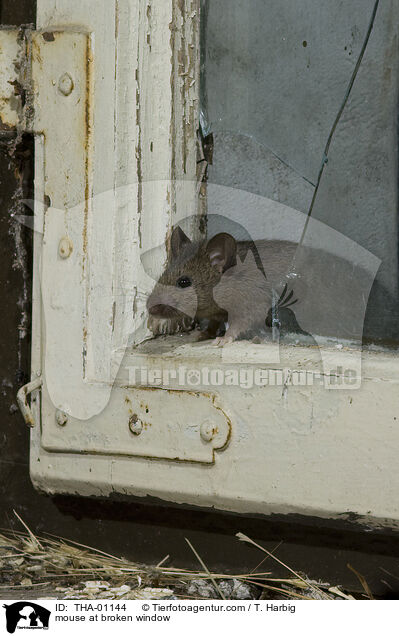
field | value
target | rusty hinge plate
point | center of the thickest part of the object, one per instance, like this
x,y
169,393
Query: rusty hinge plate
x,y
157,424
31,77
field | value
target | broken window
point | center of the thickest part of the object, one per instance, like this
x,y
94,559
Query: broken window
x,y
300,100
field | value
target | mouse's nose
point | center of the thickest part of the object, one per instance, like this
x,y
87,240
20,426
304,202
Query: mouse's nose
x,y
163,311
155,310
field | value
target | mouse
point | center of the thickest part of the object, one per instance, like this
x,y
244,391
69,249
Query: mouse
x,y
218,286
230,289
182,298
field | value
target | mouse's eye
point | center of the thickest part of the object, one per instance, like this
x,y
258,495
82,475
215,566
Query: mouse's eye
x,y
183,282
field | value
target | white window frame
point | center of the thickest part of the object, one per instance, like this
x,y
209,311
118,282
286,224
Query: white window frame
x,y
282,450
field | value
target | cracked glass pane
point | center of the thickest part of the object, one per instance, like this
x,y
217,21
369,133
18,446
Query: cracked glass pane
x,y
274,76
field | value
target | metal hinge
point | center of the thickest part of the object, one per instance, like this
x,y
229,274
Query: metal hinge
x,y
45,91
34,64
22,399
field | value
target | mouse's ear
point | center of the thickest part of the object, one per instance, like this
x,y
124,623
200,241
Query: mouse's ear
x,y
177,241
222,250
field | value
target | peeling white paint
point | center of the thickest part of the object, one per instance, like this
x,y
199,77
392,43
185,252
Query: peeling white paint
x,y
280,449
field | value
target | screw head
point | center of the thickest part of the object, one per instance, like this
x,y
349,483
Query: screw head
x,y
208,431
65,247
65,84
61,418
135,424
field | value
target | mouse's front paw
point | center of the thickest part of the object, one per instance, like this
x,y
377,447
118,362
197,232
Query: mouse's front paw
x,y
223,340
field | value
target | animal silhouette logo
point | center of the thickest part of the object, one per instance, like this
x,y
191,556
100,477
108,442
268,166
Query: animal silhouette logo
x,y
26,615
